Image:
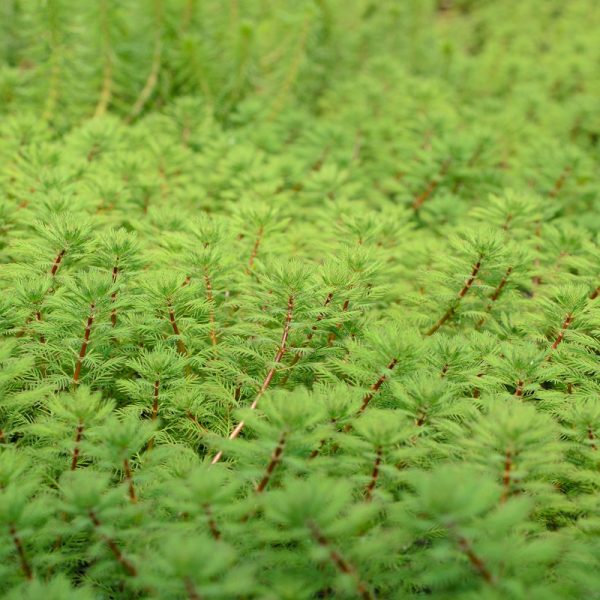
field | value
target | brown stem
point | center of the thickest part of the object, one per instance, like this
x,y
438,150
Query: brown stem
x,y
476,562
154,415
560,182
275,460
77,449
129,479
496,294
211,314
506,476
181,348
263,388
113,296
375,388
255,248
463,292
431,186
519,388
566,323
57,262
340,563
190,588
333,335
127,565
309,337
595,293
25,566
592,437
38,318
84,345
212,524
374,475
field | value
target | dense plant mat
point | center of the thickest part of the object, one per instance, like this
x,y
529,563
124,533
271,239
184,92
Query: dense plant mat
x,y
299,299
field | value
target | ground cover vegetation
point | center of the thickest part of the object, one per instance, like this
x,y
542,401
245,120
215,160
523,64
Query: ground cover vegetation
x,y
299,299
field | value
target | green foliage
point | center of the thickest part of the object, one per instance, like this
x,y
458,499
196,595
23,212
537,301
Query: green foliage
x,y
300,299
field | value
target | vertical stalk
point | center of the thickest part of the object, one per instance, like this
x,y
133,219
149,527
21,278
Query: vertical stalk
x,y
461,294
375,388
84,345
77,449
340,563
129,479
374,474
25,566
211,301
57,262
507,476
127,565
275,460
263,388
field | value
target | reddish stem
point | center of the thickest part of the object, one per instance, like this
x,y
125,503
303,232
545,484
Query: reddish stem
x,y
275,460
592,437
476,562
340,563
506,476
566,323
496,293
263,388
560,182
127,565
374,475
595,293
180,345
77,449
255,248
212,524
211,315
191,590
84,345
463,292
519,389
129,479
375,388
332,335
113,296
57,262
431,187
25,566
309,337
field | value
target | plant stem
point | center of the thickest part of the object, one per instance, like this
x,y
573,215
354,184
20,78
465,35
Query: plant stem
x,y
263,388
566,323
255,248
506,476
476,562
212,524
181,348
129,479
77,449
25,566
374,475
431,186
463,292
375,388
275,460
57,262
211,301
340,563
127,565
84,345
